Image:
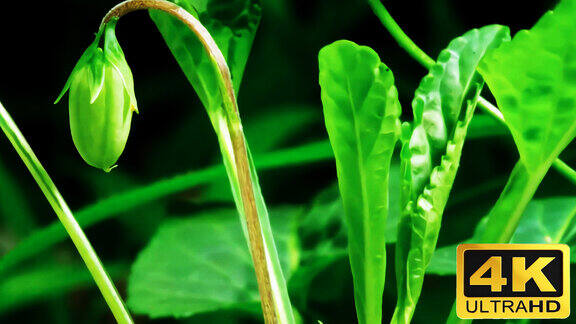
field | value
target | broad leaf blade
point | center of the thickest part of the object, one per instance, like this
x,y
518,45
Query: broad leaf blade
x,y
533,78
202,264
361,111
443,107
232,24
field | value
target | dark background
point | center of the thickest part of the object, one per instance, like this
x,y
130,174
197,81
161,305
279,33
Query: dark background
x,y
42,40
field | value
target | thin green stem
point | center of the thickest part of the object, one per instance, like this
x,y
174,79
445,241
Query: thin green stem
x,y
425,60
491,110
74,230
506,213
274,297
399,35
565,170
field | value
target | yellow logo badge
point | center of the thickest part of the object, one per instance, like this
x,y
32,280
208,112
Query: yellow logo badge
x,y
513,281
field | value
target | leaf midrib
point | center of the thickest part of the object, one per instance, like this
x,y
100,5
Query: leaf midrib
x,y
365,207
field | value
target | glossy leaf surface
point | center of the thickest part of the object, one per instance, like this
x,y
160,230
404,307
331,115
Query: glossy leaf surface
x,y
232,24
361,111
533,78
443,107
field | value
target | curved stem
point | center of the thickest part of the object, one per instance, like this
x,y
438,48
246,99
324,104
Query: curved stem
x,y
425,60
74,230
399,35
565,170
491,110
239,149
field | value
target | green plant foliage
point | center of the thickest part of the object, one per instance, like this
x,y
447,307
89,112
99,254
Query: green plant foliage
x,y
361,110
202,264
443,107
47,281
232,24
323,234
533,78
549,220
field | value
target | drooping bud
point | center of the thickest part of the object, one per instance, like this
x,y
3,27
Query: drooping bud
x,y
101,101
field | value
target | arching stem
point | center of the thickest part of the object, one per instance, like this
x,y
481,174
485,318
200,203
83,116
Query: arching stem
x,y
240,153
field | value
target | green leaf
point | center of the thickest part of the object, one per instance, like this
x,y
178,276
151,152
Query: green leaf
x,y
203,264
232,24
533,78
550,220
322,234
443,107
361,111
47,281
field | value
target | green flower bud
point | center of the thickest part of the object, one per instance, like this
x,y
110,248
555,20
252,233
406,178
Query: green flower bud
x,y
101,101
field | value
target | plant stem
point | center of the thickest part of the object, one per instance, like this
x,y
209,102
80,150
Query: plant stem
x,y
273,310
506,213
425,60
399,35
565,170
74,230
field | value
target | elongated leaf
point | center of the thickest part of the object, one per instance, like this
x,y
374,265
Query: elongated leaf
x,y
443,107
361,110
534,81
323,234
202,264
550,220
232,24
